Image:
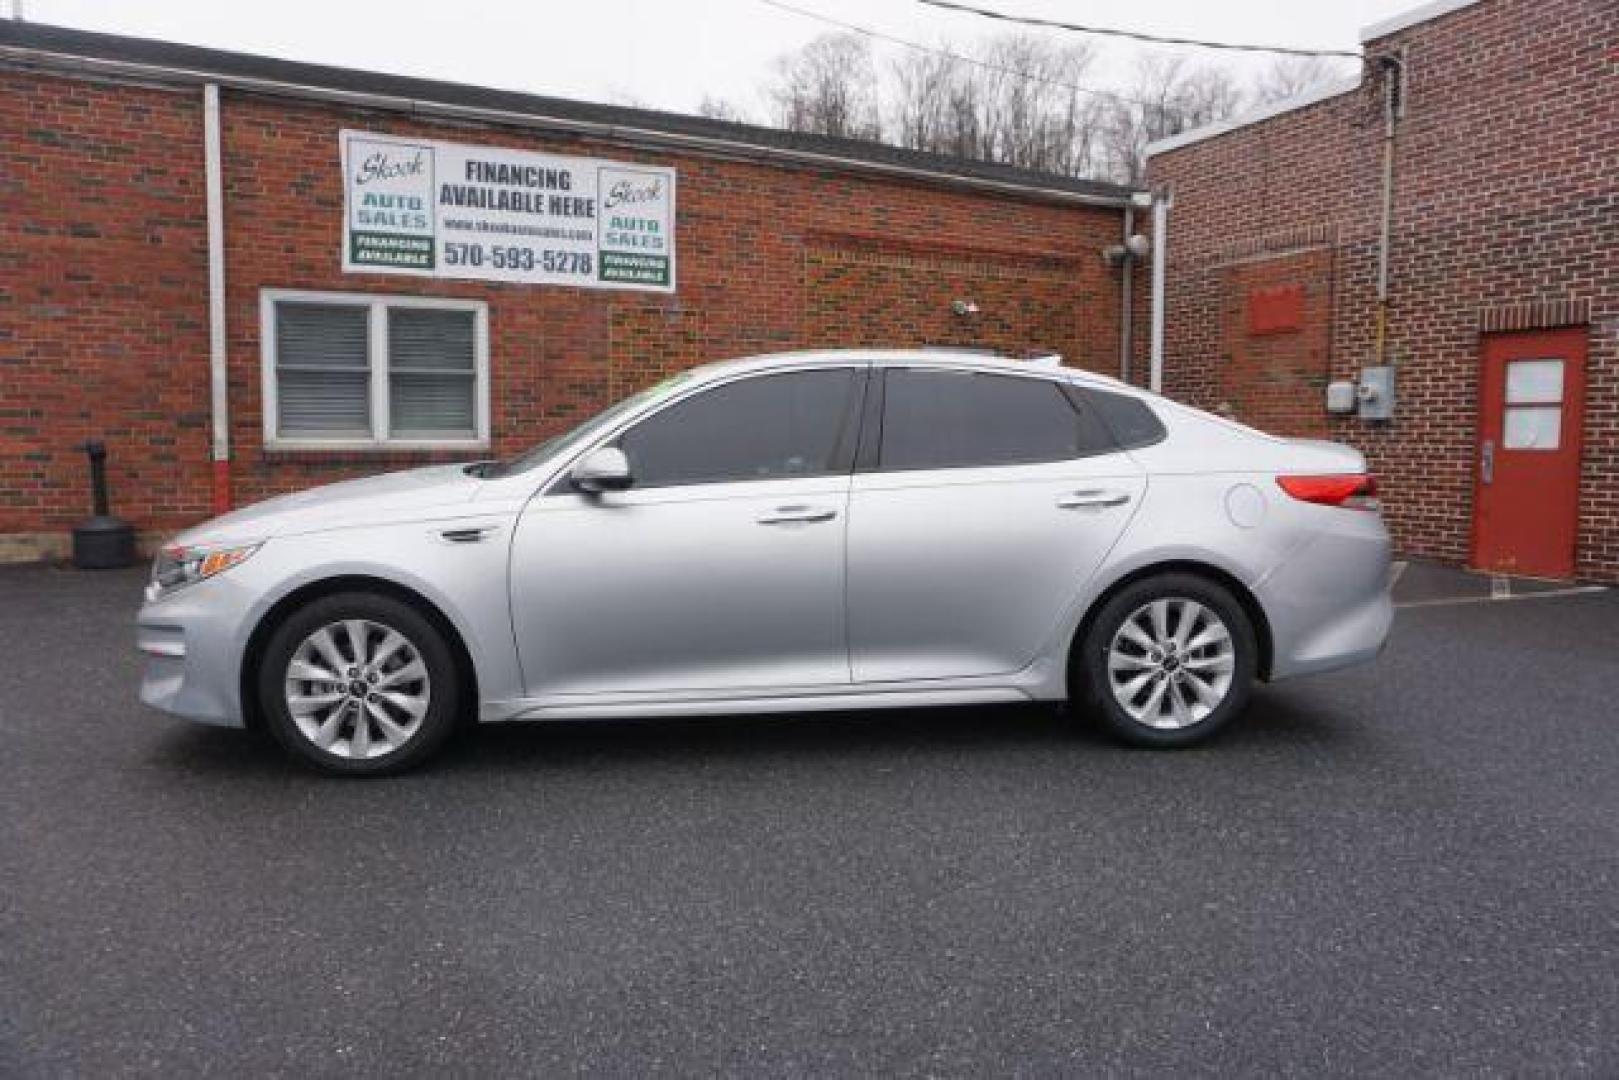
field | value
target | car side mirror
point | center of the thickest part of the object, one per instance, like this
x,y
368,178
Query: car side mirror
x,y
603,469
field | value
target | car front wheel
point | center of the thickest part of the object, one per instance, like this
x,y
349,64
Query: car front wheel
x,y
1169,661
359,683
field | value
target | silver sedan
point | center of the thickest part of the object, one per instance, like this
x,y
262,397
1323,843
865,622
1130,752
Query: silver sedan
x,y
798,532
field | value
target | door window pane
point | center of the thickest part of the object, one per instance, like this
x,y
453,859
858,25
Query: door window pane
x,y
323,369
1534,381
950,419
431,371
765,427
1532,427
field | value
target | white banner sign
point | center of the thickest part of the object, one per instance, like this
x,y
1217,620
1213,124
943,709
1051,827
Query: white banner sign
x,y
437,209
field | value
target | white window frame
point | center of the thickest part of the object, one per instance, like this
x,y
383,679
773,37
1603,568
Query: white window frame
x,y
377,305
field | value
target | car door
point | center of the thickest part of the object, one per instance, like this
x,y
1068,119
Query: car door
x,y
720,569
987,502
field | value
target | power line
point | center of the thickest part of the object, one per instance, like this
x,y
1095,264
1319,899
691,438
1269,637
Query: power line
x,y
958,57
1133,35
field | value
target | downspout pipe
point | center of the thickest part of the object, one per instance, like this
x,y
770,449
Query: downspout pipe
x,y
1162,201
218,384
1127,273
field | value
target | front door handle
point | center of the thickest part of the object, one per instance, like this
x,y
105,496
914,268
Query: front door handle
x,y
798,515
1486,465
468,534
1092,499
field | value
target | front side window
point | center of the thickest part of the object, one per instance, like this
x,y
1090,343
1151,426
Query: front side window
x,y
759,428
353,370
966,419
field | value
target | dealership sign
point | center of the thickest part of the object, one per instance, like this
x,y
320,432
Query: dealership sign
x,y
437,209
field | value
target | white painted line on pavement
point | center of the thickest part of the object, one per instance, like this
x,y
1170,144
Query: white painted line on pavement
x,y
1576,590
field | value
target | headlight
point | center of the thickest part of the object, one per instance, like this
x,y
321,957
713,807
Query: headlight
x,y
179,565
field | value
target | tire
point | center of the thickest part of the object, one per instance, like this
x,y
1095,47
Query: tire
x,y
399,697
1138,675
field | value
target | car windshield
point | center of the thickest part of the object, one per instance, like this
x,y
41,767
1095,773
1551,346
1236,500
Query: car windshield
x,y
582,433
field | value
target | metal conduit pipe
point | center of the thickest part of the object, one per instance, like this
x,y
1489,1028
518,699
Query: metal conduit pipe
x,y
1392,70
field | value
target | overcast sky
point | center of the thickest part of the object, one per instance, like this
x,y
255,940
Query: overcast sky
x,y
664,54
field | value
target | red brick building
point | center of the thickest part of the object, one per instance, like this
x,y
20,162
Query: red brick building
x,y
107,329
1498,124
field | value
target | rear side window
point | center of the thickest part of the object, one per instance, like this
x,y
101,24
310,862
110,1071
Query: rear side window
x,y
963,419
1131,420
759,428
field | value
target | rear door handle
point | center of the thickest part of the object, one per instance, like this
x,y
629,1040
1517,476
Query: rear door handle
x,y
798,515
1092,499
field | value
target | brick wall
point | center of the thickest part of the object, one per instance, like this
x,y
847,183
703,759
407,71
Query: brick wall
x,y
1505,200
103,320
103,311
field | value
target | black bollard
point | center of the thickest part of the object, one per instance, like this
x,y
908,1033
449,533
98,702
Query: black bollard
x,y
103,542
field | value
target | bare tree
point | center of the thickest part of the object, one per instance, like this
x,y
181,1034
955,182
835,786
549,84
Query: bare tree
x,y
1037,118
1016,100
1293,76
923,84
1166,97
719,109
829,87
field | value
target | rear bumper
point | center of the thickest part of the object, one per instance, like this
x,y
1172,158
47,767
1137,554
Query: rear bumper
x,y
1328,602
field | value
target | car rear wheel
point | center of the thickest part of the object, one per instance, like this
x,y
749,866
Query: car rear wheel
x,y
359,684
1168,661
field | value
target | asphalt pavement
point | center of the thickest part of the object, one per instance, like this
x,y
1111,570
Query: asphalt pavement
x,y
1407,868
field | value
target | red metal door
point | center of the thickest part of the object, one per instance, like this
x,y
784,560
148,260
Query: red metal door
x,y
1527,486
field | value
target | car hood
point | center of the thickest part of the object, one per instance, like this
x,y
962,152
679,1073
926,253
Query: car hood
x,y
390,498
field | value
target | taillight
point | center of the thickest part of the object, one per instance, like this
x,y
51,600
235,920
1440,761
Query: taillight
x,y
1352,491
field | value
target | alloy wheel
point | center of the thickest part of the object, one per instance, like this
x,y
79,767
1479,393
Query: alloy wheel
x,y
1171,663
357,689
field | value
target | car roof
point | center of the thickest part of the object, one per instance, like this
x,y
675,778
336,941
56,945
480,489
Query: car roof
x,y
1048,365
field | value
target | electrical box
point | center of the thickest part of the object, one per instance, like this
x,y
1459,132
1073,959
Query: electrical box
x,y
1341,397
1376,393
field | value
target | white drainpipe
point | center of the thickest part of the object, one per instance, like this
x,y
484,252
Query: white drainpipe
x,y
217,382
1160,244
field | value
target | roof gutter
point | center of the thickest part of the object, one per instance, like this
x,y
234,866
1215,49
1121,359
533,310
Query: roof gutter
x,y
647,137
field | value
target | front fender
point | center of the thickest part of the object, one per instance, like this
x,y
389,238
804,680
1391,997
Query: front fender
x,y
465,582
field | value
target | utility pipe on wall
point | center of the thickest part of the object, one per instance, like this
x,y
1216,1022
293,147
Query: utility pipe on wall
x,y
1161,203
1393,72
218,385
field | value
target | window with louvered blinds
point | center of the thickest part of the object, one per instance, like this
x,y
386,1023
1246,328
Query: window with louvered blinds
x,y
323,369
432,372
352,370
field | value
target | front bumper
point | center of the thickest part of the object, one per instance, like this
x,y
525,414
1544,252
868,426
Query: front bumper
x,y
193,643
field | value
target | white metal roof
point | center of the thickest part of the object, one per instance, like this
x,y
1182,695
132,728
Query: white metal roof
x,y
1420,14
1220,127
